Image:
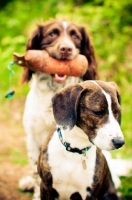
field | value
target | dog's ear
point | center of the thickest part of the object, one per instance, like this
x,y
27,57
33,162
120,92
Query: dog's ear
x,y
114,85
33,43
36,38
65,105
119,100
88,50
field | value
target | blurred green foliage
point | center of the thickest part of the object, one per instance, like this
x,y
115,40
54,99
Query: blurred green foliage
x,y
126,187
110,26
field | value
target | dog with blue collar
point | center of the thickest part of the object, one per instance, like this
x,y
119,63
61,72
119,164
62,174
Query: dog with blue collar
x,y
71,163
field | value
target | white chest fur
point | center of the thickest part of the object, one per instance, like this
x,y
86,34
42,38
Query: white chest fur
x,y
67,170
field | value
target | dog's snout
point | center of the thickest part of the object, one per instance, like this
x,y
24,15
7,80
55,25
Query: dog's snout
x,y
118,142
65,50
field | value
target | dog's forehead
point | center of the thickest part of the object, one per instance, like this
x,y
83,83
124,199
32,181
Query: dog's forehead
x,y
62,25
94,95
100,94
69,25
101,86
53,25
65,24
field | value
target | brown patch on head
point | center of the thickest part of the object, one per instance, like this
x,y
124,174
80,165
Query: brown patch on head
x,y
62,40
112,89
92,109
85,105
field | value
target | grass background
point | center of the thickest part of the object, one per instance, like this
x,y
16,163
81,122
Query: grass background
x,y
110,25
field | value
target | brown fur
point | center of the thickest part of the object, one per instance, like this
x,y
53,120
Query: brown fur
x,y
46,185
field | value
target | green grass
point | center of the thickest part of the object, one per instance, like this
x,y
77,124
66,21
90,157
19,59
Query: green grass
x,y
29,194
126,187
17,157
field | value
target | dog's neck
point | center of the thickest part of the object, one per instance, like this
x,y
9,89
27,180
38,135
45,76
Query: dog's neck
x,y
68,146
76,138
44,82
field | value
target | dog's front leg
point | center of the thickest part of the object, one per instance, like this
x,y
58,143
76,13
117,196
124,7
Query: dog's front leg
x,y
45,194
91,198
48,193
110,196
46,190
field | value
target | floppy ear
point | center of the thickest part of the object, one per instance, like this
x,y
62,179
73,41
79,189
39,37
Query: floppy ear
x,y
88,50
36,38
65,105
119,100
33,43
114,85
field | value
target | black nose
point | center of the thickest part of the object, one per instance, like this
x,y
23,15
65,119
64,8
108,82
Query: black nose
x,y
118,142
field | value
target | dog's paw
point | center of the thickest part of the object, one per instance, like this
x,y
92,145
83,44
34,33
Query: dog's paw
x,y
36,197
27,184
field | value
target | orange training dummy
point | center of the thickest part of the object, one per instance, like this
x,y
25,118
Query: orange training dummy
x,y
39,60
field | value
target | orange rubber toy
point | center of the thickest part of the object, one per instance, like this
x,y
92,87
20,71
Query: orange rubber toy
x,y
39,60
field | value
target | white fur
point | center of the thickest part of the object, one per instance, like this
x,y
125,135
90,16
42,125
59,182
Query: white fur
x,y
65,25
108,131
66,40
66,166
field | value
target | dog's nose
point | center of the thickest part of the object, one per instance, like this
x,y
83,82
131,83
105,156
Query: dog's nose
x,y
65,50
118,142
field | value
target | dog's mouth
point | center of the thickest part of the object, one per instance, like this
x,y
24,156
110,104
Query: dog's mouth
x,y
59,78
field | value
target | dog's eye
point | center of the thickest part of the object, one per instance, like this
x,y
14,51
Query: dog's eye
x,y
75,36
98,113
52,33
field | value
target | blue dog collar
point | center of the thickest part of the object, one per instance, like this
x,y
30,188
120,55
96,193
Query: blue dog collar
x,y
69,148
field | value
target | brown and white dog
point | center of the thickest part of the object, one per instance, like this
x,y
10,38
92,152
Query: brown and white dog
x,y
62,40
71,163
